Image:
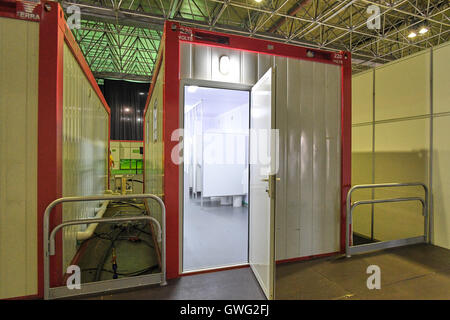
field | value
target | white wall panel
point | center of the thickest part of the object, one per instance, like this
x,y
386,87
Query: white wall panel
x,y
441,146
362,97
441,78
441,182
19,48
85,149
402,88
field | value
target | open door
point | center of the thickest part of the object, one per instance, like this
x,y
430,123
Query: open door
x,y
263,164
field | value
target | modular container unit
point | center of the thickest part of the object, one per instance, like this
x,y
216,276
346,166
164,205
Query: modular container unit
x,y
54,137
313,115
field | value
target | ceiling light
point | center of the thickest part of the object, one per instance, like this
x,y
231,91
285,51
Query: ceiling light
x,y
192,89
126,109
258,1
412,34
224,65
423,30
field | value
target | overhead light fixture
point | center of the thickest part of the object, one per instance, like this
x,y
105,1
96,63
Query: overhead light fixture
x,y
126,109
192,89
423,30
141,93
224,65
412,34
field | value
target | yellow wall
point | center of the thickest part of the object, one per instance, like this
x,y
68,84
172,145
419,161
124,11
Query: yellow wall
x,y
85,149
362,155
441,145
391,137
154,149
19,43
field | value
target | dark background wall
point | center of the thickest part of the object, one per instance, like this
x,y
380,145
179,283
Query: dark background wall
x,y
127,102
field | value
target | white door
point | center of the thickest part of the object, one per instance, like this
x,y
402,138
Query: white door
x,y
263,145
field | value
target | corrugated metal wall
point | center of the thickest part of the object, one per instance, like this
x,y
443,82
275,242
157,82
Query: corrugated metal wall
x,y
85,149
154,144
19,48
308,116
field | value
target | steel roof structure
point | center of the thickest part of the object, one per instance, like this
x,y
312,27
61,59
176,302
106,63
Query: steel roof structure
x,y
120,38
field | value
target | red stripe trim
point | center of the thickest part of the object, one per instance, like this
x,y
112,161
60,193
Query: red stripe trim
x,y
30,297
50,102
346,141
171,117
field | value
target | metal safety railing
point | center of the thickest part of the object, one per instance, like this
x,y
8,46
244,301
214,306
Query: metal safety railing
x,y
49,241
351,249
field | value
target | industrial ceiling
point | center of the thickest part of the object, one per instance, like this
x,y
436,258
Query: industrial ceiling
x,y
120,38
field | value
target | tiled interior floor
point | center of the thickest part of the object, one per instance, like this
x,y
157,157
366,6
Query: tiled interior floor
x,y
214,235
412,272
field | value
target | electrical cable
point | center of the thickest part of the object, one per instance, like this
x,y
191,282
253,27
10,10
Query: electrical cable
x,y
114,239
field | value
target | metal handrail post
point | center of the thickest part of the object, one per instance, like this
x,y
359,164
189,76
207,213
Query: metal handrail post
x,y
46,226
349,206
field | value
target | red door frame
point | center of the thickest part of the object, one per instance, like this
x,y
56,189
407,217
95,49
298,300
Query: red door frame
x,y
174,33
53,33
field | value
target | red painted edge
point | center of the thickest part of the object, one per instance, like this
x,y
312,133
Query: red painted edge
x,y
78,54
186,274
242,43
29,297
316,256
171,117
346,141
50,102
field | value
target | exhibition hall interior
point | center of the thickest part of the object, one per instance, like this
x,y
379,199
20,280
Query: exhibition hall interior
x,y
224,150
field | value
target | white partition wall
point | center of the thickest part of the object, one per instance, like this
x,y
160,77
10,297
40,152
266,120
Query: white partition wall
x,y
394,132
441,146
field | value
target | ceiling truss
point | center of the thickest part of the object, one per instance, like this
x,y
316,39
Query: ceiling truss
x,y
120,38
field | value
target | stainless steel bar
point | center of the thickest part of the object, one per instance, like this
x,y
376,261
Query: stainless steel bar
x,y
386,244
98,220
350,207
46,224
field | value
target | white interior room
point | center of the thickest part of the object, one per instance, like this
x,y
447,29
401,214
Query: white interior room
x,y
215,219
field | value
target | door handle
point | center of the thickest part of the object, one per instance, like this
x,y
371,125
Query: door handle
x,y
271,180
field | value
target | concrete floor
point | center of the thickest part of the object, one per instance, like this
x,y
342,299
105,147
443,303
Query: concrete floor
x,y
412,272
214,235
236,284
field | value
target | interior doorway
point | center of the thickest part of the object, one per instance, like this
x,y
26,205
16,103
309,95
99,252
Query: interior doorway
x,y
216,177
